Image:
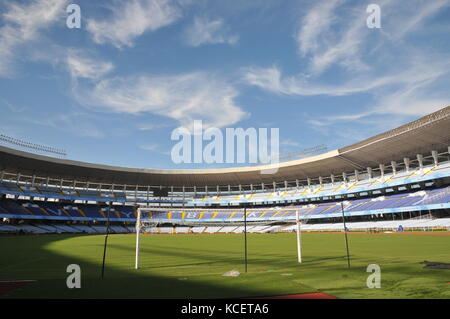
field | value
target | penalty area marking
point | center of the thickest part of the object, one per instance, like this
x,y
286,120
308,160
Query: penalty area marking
x,y
11,285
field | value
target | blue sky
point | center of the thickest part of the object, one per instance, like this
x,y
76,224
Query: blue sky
x,y
112,91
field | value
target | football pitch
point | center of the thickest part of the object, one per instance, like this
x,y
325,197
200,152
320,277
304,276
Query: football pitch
x,y
191,266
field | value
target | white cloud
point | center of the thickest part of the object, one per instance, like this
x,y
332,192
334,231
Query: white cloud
x,y
413,16
265,78
415,100
289,143
206,31
23,23
82,66
131,20
315,22
364,60
330,34
150,126
405,91
324,42
416,72
149,147
184,98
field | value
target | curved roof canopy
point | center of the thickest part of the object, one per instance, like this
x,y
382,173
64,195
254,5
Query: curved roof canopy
x,y
428,133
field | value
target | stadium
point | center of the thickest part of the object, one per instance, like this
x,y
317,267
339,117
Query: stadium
x,y
206,158
391,191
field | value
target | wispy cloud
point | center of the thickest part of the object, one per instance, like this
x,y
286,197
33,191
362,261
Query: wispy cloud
x,y
12,107
415,72
331,35
184,98
132,19
289,145
23,23
82,66
314,25
149,147
207,31
154,148
324,44
413,16
289,142
77,123
152,126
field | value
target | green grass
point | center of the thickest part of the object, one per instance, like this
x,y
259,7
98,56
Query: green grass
x,y
191,266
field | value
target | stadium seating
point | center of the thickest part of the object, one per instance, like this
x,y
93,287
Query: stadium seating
x,y
316,191
420,200
330,189
381,225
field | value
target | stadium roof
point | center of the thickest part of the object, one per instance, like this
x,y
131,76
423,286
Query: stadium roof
x,y
428,133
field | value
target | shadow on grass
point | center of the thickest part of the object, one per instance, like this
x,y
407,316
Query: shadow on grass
x,y
49,270
233,261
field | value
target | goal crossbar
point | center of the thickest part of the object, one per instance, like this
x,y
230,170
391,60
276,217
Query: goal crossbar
x,y
139,221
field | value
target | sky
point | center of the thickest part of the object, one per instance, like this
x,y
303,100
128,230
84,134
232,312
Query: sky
x,y
113,90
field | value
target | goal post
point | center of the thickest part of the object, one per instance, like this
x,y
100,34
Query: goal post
x,y
299,237
138,232
142,223
148,217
